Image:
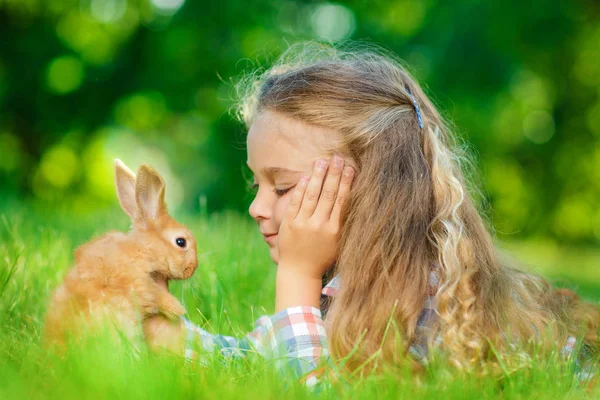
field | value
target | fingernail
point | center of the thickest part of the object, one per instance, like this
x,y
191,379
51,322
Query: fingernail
x,y
348,171
321,164
337,161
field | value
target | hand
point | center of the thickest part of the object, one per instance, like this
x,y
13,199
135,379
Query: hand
x,y
309,233
164,334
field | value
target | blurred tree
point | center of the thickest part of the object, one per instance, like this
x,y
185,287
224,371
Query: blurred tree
x,y
83,81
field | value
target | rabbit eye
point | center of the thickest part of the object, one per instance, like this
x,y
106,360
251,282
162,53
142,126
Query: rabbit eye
x,y
180,242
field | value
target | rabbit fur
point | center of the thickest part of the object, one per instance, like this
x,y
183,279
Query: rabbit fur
x,y
114,282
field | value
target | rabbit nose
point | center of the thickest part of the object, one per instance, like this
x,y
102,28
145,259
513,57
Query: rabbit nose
x,y
189,271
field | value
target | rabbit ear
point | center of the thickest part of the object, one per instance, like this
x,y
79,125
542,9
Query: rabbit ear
x,y
150,194
125,183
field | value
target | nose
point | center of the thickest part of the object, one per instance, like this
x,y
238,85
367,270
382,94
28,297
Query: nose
x,y
260,208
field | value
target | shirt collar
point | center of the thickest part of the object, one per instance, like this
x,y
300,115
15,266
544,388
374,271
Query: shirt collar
x,y
332,288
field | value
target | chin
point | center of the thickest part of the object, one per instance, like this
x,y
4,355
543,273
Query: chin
x,y
274,255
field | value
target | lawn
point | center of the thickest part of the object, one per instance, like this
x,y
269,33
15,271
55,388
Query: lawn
x,y
233,285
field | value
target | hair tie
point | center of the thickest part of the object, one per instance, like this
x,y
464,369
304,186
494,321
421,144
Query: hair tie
x,y
416,108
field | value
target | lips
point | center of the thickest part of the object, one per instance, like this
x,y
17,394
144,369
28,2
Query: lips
x,y
269,236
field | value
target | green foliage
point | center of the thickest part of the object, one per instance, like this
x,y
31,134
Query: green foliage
x,y
233,286
85,81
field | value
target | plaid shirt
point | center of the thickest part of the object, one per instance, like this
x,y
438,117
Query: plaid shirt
x,y
295,337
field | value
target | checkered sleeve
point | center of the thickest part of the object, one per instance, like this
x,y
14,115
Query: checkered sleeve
x,y
584,367
200,341
294,338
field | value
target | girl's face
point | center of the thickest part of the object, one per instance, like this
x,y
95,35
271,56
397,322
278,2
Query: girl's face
x,y
280,151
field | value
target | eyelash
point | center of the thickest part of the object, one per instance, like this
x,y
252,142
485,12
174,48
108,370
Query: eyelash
x,y
281,192
278,192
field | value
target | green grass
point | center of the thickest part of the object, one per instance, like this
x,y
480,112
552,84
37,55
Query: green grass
x,y
233,285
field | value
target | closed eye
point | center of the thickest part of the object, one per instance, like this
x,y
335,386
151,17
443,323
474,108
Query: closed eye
x,y
281,192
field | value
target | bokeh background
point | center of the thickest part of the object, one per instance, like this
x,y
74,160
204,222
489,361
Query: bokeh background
x,y
153,81
85,81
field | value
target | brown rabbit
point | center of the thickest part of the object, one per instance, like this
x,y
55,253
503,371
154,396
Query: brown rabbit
x,y
117,275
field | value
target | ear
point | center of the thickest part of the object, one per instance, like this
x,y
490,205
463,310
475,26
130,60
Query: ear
x,y
150,194
125,183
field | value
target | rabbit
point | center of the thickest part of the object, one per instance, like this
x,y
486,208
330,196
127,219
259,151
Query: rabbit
x,y
121,275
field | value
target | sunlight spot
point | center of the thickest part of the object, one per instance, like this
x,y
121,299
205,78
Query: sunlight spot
x,y
65,75
506,120
333,22
405,17
59,166
532,91
167,6
538,126
574,217
141,111
108,11
114,143
95,41
99,176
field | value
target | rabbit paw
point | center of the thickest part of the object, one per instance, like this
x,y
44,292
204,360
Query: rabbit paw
x,y
172,309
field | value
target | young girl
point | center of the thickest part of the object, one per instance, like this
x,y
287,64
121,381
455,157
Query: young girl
x,y
360,186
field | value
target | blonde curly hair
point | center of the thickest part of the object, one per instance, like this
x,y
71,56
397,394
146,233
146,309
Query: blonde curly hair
x,y
410,208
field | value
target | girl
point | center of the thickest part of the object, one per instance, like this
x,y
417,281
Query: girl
x,y
408,260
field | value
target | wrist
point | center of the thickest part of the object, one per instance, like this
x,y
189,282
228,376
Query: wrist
x,y
294,288
301,270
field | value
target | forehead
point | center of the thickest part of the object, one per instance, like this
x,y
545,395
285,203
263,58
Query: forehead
x,y
276,140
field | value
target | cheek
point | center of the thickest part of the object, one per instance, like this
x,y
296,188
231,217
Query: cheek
x,y
280,209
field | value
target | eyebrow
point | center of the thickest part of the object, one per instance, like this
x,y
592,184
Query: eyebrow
x,y
277,170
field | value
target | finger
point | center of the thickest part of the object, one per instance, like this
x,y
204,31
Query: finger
x,y
296,200
330,188
313,190
342,195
